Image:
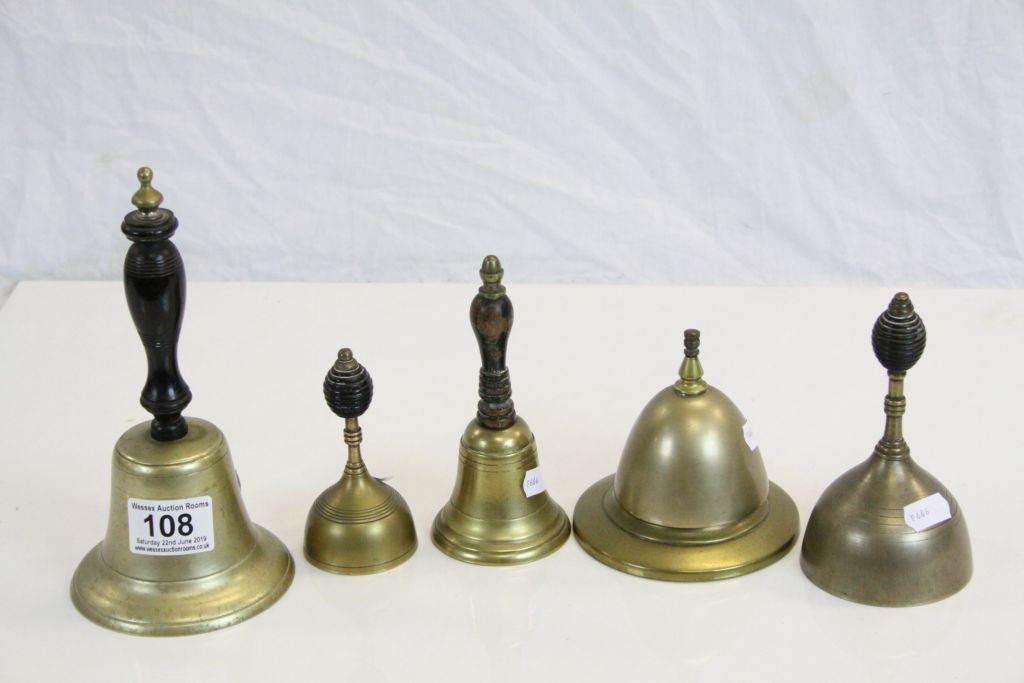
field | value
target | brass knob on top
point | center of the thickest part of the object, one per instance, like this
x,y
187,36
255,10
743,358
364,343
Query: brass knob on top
x,y
360,525
887,532
147,198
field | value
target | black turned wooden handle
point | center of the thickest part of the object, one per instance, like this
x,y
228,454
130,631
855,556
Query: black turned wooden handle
x,y
348,387
898,337
491,316
154,284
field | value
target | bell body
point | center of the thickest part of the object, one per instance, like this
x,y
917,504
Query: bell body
x,y
360,525
858,545
180,555
690,500
490,518
691,468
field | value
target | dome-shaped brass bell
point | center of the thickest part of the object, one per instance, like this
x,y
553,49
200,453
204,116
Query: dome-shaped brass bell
x,y
887,532
691,500
360,525
499,512
180,555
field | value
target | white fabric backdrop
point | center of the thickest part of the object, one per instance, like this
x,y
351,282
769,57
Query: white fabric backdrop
x,y
756,142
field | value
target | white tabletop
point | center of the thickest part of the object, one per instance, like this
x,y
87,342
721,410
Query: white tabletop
x,y
584,360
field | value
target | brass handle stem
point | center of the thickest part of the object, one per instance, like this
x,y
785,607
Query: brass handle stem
x,y
892,444
354,437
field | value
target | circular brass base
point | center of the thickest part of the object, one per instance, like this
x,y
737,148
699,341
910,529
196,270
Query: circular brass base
x,y
674,560
173,608
500,541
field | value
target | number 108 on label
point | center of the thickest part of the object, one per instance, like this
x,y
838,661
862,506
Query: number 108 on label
x,y
170,527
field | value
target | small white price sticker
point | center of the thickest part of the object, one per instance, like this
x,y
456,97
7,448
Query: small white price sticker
x,y
170,527
533,483
926,512
748,436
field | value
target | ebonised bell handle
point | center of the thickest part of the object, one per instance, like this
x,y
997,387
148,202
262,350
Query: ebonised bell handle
x,y
348,387
154,284
491,316
898,337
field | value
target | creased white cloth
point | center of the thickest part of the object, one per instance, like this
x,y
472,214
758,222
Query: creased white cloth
x,y
779,143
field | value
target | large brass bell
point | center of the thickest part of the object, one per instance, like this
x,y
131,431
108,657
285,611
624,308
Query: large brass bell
x,y
499,512
360,525
887,532
691,500
180,555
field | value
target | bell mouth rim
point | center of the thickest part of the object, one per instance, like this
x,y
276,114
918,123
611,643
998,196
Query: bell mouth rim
x,y
361,570
94,577
763,544
552,531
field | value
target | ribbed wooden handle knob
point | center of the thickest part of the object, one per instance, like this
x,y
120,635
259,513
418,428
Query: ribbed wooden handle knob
x,y
348,387
899,336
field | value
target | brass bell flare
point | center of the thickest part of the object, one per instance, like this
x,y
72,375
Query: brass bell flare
x,y
180,555
887,532
360,525
691,500
500,512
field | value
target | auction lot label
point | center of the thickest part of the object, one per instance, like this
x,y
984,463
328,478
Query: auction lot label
x,y
170,527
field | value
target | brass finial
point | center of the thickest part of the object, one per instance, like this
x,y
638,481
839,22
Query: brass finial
x,y
691,373
491,273
346,361
147,198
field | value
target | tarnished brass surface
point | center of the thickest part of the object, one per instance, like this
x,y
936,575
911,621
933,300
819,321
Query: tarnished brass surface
x,y
489,519
858,545
247,570
360,525
690,501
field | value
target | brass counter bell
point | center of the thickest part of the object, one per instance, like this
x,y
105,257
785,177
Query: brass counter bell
x,y
180,555
691,500
360,525
499,512
887,532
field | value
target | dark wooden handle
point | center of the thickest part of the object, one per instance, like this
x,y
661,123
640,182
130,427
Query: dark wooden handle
x,y
154,284
898,337
491,316
348,387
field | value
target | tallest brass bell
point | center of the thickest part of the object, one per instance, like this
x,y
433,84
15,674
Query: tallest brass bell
x,y
691,500
180,555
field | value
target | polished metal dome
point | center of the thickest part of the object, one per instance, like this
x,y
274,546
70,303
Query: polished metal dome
x,y
691,500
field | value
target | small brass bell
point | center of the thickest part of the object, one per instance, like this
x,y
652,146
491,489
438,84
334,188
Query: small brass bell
x,y
691,500
180,555
360,525
887,532
499,512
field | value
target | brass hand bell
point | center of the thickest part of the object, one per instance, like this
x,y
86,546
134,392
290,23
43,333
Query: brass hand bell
x,y
180,555
691,500
499,512
360,525
887,532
